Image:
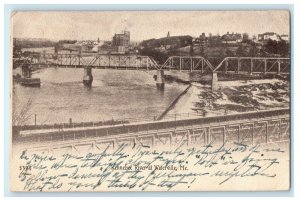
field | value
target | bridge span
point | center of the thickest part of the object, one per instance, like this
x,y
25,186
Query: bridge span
x,y
246,128
236,65
254,65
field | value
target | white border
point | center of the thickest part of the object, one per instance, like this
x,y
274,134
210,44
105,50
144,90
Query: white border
x,y
296,79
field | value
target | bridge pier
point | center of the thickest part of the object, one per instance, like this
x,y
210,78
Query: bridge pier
x,y
87,77
26,71
160,79
214,81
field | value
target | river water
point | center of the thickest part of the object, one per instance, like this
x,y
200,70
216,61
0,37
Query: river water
x,y
115,94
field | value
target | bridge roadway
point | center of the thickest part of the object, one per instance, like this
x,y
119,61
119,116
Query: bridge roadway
x,y
247,128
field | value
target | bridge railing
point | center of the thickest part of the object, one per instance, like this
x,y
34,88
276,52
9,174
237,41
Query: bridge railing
x,y
249,128
175,118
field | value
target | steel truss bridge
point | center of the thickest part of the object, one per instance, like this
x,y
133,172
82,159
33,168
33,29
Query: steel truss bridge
x,y
254,65
102,61
238,65
246,128
186,63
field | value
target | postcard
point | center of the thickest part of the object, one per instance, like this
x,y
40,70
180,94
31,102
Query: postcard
x,y
150,101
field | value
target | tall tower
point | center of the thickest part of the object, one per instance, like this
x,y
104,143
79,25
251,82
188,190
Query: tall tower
x,y
168,35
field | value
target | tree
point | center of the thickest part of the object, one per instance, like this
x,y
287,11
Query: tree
x,y
254,51
281,47
245,37
271,46
210,39
192,49
229,53
20,113
160,57
240,51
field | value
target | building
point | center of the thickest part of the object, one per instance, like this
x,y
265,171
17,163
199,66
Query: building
x,y
232,38
122,39
285,37
268,36
201,42
168,35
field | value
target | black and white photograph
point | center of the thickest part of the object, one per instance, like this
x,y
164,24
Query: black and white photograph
x,y
137,101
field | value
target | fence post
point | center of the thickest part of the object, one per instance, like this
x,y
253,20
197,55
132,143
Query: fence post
x,y
265,69
208,137
239,65
252,133
239,133
180,64
267,132
224,134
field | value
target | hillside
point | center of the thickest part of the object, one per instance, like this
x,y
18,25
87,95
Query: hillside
x,y
167,43
160,49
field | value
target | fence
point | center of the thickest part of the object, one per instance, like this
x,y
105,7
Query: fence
x,y
220,128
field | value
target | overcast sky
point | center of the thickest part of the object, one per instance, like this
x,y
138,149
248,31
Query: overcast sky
x,y
145,25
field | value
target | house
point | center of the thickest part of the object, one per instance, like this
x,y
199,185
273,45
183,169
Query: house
x,y
268,36
202,40
232,38
285,37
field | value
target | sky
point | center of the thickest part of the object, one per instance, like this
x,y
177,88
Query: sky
x,y
144,24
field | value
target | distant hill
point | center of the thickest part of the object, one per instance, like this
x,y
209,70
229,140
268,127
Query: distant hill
x,y
160,49
33,42
166,43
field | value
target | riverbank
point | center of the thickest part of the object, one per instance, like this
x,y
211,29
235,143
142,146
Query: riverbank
x,y
233,97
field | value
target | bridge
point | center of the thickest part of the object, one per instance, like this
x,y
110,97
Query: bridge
x,y
247,128
236,65
100,61
188,63
254,65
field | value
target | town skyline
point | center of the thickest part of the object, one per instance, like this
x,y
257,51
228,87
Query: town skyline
x,y
89,25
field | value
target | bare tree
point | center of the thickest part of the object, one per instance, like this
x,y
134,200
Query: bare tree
x,y
20,117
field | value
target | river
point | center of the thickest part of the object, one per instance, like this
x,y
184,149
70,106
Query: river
x,y
115,94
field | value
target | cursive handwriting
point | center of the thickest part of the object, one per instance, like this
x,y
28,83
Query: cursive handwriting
x,y
145,168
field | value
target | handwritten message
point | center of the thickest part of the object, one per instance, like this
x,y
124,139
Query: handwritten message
x,y
147,169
